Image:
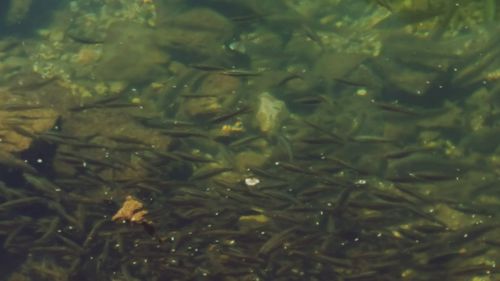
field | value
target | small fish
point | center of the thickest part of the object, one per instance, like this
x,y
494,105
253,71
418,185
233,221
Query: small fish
x,y
50,232
276,241
70,244
22,202
337,262
247,18
10,192
32,84
20,107
101,103
183,134
385,4
207,67
22,118
288,78
285,143
59,209
476,269
226,116
348,82
192,157
391,107
266,174
432,176
9,160
342,163
127,140
204,173
44,185
108,105
312,35
167,155
83,39
444,257
411,192
371,139
244,140
156,123
78,159
240,72
295,168
197,96
320,140
149,228
23,132
91,236
324,131
310,100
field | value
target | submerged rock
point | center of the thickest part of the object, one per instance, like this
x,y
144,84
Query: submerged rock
x,y
216,94
198,33
18,9
22,120
130,54
270,113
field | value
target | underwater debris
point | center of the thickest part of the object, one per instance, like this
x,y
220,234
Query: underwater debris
x,y
131,210
232,129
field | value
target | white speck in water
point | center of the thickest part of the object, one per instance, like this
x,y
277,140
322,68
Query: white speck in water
x,y
360,182
252,181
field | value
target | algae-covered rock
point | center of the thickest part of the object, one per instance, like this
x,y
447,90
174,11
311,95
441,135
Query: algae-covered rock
x,y
422,167
404,80
204,19
198,33
216,94
270,113
485,140
333,66
260,42
202,107
303,49
111,130
250,159
18,128
451,117
18,9
130,54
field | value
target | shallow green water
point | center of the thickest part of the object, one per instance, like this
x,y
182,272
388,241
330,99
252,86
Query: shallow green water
x,y
249,140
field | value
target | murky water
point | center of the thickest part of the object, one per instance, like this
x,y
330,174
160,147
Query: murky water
x,y
249,140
